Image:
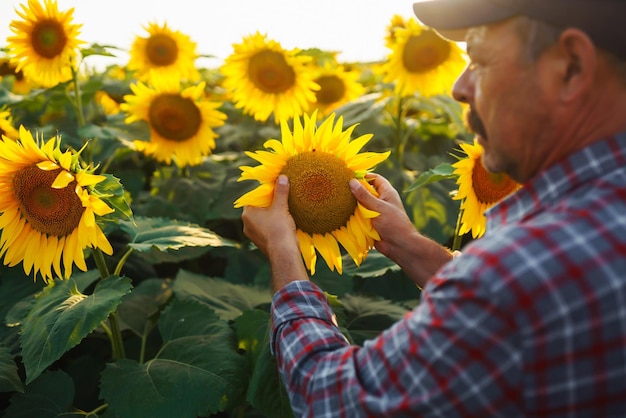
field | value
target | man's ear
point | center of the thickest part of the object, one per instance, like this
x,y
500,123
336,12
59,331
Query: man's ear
x,y
580,57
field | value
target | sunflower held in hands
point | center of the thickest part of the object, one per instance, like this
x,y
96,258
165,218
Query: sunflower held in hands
x,y
319,162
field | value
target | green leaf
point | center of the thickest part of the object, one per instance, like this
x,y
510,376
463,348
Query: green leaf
x,y
112,192
97,49
62,316
197,372
139,310
9,379
168,240
265,391
49,396
227,299
367,317
443,171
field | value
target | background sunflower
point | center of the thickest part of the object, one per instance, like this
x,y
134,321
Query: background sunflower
x,y
478,189
264,79
421,60
47,208
45,43
181,121
164,52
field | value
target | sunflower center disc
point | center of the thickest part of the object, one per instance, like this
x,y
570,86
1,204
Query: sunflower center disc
x,y
174,118
331,89
490,187
161,50
425,52
320,199
270,73
48,38
55,212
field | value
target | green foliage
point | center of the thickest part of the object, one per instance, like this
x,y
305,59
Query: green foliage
x,y
196,372
62,316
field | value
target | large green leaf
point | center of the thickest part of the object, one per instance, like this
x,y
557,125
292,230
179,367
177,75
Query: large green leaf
x,y
367,317
9,379
227,299
167,240
265,391
49,396
62,316
197,372
139,310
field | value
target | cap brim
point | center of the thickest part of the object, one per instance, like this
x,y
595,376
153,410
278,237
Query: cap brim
x,y
452,18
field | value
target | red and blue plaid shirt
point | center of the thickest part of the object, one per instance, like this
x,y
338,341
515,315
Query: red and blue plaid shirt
x,y
529,321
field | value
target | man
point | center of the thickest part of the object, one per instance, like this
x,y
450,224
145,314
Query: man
x,y
531,319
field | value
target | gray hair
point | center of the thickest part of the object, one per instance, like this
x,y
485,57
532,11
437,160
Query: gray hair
x,y
539,36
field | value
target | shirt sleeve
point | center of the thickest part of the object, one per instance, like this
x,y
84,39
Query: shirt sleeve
x,y
455,355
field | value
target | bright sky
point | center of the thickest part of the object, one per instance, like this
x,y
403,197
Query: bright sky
x,y
354,28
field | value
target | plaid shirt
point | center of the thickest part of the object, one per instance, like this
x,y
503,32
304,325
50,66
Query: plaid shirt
x,y
529,321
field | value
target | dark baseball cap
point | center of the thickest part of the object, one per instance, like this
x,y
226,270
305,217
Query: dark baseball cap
x,y
602,20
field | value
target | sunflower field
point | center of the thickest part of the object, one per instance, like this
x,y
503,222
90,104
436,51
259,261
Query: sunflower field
x,y
127,286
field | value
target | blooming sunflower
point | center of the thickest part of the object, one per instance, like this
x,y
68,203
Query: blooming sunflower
x,y
397,22
45,43
263,78
422,61
337,87
165,52
180,122
17,84
48,208
479,189
319,162
6,124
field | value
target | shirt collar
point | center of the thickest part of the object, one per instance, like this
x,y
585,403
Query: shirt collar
x,y
552,184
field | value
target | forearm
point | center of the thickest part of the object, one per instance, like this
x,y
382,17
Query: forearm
x,y
418,256
286,264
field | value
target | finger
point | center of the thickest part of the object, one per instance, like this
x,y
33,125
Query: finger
x,y
363,195
281,191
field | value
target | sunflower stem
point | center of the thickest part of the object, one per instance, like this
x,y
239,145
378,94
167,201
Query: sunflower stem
x,y
78,100
120,264
117,344
458,238
399,142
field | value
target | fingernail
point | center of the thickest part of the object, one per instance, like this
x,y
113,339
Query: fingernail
x,y
282,179
354,184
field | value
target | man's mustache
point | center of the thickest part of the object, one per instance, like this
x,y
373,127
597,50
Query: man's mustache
x,y
475,123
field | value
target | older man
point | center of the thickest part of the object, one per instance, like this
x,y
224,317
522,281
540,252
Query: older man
x,y
531,319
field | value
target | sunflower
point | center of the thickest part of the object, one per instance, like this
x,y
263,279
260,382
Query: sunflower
x,y
422,61
319,162
6,124
181,121
17,84
108,104
397,22
337,87
48,209
166,52
263,78
479,189
45,43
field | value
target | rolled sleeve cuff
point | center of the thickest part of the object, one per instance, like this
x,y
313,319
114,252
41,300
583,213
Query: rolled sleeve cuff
x,y
298,300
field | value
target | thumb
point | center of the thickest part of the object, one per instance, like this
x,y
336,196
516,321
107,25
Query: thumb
x,y
281,191
363,195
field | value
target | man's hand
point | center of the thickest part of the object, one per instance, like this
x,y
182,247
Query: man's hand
x,y
418,256
273,231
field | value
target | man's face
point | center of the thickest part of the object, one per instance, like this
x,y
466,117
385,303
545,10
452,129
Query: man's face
x,y
509,106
